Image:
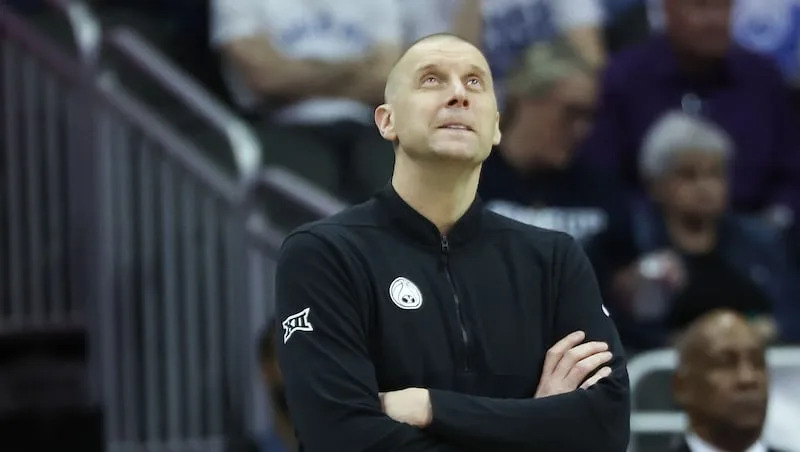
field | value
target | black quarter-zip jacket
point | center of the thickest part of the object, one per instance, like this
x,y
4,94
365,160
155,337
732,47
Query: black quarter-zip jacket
x,y
375,299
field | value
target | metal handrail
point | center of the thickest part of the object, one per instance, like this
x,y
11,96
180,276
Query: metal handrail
x,y
65,66
86,28
178,148
246,147
643,364
298,190
262,234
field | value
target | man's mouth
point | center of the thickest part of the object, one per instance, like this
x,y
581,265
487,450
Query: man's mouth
x,y
456,126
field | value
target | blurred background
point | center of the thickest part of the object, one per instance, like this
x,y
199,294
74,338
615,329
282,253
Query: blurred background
x,y
156,152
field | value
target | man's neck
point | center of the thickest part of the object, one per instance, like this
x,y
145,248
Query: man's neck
x,y
442,192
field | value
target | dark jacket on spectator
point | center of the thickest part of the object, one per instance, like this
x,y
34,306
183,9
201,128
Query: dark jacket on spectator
x,y
747,97
748,270
578,200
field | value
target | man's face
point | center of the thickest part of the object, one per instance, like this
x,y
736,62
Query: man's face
x,y
556,123
442,104
700,27
696,185
727,382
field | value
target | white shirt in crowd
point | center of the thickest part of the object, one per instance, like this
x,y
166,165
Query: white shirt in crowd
x,y
582,223
319,29
697,444
433,16
348,28
509,26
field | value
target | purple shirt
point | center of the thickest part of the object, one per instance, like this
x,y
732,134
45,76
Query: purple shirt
x,y
746,97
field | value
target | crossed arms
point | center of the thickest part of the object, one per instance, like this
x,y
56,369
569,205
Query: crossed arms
x,y
271,74
240,30
333,394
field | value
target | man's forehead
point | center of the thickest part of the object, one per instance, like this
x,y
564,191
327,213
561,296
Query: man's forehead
x,y
438,51
725,345
715,330
734,341
698,3
462,66
445,52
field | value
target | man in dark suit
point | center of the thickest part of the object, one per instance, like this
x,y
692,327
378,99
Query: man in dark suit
x,y
722,384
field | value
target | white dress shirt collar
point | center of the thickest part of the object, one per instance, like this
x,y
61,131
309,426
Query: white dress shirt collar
x,y
697,444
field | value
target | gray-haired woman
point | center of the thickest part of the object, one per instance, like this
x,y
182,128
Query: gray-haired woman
x,y
688,253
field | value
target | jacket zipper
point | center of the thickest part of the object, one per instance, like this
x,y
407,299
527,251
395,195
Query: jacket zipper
x,y
459,313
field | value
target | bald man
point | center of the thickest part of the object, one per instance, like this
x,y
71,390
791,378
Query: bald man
x,y
421,321
721,383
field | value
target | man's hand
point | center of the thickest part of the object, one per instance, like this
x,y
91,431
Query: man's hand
x,y
410,406
569,362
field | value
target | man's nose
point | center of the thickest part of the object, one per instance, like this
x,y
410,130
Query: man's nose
x,y
458,95
747,373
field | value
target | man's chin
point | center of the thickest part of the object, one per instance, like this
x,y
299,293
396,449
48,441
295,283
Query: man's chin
x,y
714,51
747,417
459,152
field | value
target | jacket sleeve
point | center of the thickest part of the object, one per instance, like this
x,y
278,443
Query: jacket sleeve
x,y
596,419
330,381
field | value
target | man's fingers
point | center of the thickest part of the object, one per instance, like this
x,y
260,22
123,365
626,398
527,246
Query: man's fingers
x,y
586,366
602,373
577,354
556,352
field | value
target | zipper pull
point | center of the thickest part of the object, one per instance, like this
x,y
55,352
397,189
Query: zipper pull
x,y
445,250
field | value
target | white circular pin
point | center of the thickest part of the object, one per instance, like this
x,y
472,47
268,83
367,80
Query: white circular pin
x,y
405,294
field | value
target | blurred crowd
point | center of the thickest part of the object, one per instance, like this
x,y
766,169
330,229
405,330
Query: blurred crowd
x,y
671,154
663,134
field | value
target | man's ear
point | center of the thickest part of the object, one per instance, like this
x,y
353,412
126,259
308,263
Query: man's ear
x,y
385,122
681,389
497,134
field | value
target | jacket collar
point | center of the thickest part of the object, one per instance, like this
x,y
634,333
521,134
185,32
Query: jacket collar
x,y
402,218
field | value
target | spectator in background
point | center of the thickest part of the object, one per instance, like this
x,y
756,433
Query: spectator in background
x,y
463,18
694,66
309,73
688,254
722,383
532,176
281,438
509,27
769,27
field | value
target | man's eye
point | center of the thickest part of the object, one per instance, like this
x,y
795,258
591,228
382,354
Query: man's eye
x,y
429,80
474,81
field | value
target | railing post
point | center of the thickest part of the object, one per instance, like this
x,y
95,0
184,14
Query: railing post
x,y
246,148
